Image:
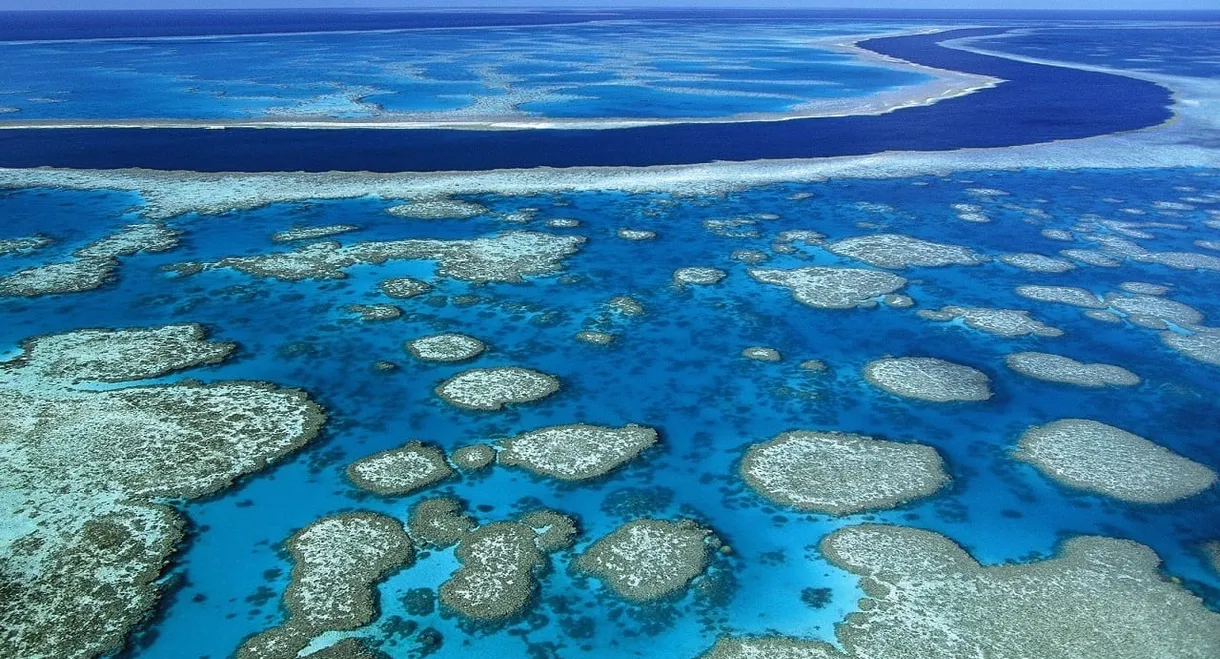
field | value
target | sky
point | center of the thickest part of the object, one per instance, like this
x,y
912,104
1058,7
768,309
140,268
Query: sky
x,y
753,4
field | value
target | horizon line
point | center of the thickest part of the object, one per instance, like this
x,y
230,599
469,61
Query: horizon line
x,y
598,9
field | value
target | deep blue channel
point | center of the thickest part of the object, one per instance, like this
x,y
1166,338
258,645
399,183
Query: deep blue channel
x,y
1036,103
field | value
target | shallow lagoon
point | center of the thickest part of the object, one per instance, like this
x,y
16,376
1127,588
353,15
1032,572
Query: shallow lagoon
x,y
593,70
665,370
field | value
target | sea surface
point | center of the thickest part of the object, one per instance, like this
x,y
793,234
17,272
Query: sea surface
x,y
678,368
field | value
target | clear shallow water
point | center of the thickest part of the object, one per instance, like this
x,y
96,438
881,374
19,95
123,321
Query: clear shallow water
x,y
677,369
656,68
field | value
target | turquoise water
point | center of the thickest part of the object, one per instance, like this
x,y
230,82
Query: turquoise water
x,y
677,369
639,68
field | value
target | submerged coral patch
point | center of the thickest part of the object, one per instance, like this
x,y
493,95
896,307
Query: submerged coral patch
x,y
337,561
403,470
923,591
596,338
928,378
1090,455
1001,322
649,559
636,234
839,473
738,227
1211,550
762,354
897,301
751,256
375,312
1058,234
493,388
896,251
578,451
628,306
446,348
832,288
1057,368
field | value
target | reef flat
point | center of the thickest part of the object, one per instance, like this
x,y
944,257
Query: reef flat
x,y
337,561
923,594
446,348
1203,345
578,451
762,354
1037,262
404,287
1077,297
507,257
1000,322
403,470
375,312
493,388
839,473
439,522
91,266
636,234
649,559
438,209
1057,368
474,456
23,245
832,288
698,276
896,251
311,233
85,471
117,355
500,564
928,378
1093,456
